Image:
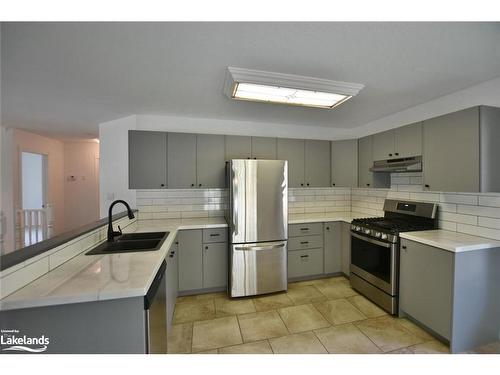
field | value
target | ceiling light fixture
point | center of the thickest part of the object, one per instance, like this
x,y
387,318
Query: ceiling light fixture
x,y
259,86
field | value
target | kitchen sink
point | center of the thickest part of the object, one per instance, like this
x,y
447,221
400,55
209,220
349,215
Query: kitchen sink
x,y
131,242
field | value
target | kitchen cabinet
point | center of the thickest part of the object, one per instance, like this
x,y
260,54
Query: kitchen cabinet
x,y
172,279
332,247
215,265
366,178
181,160
147,159
305,263
344,163
425,285
451,152
293,151
305,250
408,140
264,148
317,163
396,143
346,248
238,147
190,260
210,161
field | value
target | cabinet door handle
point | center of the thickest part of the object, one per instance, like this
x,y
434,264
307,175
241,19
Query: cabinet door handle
x,y
367,184
301,184
162,185
304,228
333,183
304,256
308,184
304,242
192,185
214,234
327,228
403,247
390,154
206,247
199,185
397,153
427,185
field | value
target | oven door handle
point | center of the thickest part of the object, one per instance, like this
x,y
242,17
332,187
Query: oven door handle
x,y
379,243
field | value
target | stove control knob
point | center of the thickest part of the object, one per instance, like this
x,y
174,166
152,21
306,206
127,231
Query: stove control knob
x,y
377,234
358,228
367,231
383,236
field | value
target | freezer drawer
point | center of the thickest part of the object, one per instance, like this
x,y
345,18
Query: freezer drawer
x,y
303,263
258,268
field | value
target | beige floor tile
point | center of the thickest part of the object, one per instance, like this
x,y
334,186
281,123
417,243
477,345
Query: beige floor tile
x,y
185,299
227,307
261,325
302,318
299,343
272,302
336,279
492,348
346,339
387,333
214,296
416,330
429,347
305,294
339,311
258,347
179,339
216,333
191,311
367,307
336,289
305,283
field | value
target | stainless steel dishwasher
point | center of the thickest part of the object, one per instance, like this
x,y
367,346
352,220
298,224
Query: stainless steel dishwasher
x,y
155,311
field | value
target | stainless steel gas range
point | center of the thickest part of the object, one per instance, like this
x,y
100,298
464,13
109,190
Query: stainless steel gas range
x,y
375,248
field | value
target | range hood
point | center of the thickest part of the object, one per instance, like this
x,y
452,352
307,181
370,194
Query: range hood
x,y
410,164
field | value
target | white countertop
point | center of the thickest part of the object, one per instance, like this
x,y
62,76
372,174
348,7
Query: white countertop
x,y
451,241
87,278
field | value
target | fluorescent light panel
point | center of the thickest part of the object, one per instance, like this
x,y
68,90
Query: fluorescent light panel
x,y
287,95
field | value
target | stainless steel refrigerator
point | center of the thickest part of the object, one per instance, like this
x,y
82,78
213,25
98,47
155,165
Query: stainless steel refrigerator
x,y
258,226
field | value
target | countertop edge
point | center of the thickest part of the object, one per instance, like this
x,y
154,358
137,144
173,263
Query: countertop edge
x,y
487,244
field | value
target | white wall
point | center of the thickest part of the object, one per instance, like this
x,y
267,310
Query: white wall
x,y
113,164
81,193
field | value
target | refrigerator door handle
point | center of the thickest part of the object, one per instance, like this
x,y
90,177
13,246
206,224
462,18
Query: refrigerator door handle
x,y
256,248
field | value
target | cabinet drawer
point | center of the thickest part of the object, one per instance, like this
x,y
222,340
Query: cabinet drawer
x,y
214,235
296,230
305,263
305,242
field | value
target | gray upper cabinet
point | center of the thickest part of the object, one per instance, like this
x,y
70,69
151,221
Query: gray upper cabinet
x,y
293,151
317,163
383,145
398,143
147,159
263,148
408,140
181,160
344,163
210,164
451,152
238,147
365,161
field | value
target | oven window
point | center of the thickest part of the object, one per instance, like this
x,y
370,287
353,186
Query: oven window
x,y
372,258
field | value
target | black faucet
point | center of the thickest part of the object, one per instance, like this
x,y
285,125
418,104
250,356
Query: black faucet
x,y
111,233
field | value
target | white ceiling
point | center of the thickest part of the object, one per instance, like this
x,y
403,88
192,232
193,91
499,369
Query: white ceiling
x,y
66,78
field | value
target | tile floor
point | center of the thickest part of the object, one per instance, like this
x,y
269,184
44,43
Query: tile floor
x,y
317,316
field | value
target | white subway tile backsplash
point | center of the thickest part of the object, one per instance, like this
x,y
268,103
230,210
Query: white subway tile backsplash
x,y
489,201
458,198
458,218
424,197
479,210
448,225
479,231
489,222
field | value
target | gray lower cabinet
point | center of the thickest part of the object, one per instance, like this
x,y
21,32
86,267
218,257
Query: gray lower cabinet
x,y
210,161
215,265
305,250
190,260
454,294
426,275
181,160
293,151
317,163
303,263
344,163
147,162
346,248
264,148
202,260
238,147
333,247
451,152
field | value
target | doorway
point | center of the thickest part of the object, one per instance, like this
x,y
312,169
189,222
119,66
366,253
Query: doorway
x,y
33,215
